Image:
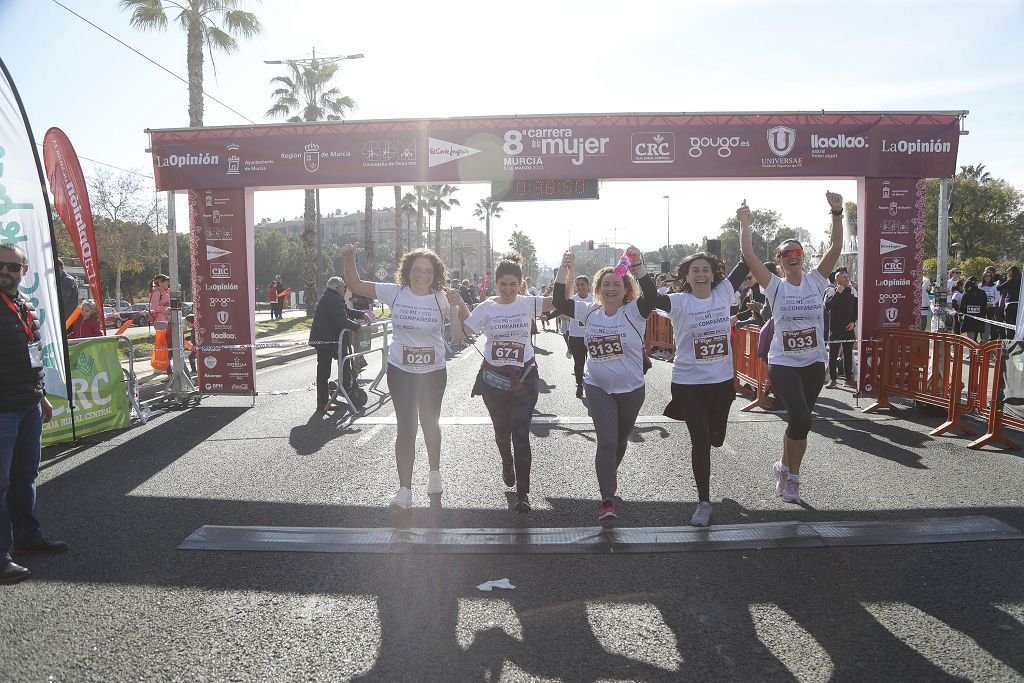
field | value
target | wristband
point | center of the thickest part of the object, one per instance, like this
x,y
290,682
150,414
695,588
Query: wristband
x,y
836,212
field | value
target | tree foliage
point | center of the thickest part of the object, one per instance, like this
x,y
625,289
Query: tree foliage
x,y
522,243
764,225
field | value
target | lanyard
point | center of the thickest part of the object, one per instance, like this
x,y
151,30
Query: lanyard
x,y
28,327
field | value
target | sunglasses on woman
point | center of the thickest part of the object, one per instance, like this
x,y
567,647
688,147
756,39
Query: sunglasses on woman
x,y
795,252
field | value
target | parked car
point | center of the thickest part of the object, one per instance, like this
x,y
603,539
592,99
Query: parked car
x,y
110,317
186,308
110,302
137,313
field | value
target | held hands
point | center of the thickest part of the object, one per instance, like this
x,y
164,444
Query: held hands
x,y
454,298
743,215
568,260
835,200
636,256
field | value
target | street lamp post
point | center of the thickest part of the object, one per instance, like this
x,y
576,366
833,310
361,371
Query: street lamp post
x,y
668,226
319,230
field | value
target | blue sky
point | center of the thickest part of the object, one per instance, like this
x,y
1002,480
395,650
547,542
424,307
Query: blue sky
x,y
473,58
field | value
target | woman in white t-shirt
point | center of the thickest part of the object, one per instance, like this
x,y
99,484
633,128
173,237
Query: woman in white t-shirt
x,y
613,380
417,374
797,354
702,374
508,378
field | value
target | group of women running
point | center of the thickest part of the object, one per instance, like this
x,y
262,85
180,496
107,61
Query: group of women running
x,y
606,337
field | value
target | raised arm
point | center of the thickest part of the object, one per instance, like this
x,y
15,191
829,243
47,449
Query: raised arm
x,y
558,299
352,281
761,274
831,257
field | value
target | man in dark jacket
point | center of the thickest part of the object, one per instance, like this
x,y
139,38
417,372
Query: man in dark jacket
x,y
330,318
68,290
841,322
23,410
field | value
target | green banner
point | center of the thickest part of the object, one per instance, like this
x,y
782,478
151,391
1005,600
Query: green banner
x,y
100,395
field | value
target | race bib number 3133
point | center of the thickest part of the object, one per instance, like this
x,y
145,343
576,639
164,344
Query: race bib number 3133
x,y
605,348
418,356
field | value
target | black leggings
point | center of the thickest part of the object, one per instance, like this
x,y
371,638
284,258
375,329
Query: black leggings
x,y
511,414
798,389
417,398
579,355
705,408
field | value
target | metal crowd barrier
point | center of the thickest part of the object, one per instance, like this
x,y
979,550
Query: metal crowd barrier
x,y
988,399
926,367
385,325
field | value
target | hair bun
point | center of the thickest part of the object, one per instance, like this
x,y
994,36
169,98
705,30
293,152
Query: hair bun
x,y
513,256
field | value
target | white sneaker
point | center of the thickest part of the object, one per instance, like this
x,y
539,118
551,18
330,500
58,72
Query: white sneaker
x,y
402,498
791,491
434,483
781,474
702,515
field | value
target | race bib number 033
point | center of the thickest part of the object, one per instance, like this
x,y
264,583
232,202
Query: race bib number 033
x,y
605,348
418,356
800,341
505,352
711,348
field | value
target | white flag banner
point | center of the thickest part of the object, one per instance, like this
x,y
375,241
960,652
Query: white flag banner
x,y
1018,335
25,221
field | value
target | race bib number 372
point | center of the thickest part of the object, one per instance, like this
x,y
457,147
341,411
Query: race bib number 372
x,y
605,348
711,348
800,341
418,356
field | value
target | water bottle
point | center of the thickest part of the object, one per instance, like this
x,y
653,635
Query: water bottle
x,y
625,261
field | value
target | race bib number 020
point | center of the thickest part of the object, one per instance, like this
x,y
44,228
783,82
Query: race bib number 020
x,y
711,348
800,341
418,356
505,352
605,348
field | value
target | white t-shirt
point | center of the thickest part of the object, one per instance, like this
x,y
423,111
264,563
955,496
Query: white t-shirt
x,y
926,298
576,327
507,328
615,361
532,291
418,322
702,328
991,292
799,314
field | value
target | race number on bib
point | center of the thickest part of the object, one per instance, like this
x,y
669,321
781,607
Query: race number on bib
x,y
605,348
418,356
506,352
974,310
710,348
800,341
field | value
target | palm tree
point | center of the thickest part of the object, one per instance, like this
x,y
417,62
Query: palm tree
x,y
485,209
976,173
398,222
410,210
421,202
371,265
306,90
199,20
441,199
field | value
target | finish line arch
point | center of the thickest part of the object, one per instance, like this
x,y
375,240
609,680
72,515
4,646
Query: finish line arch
x,y
890,154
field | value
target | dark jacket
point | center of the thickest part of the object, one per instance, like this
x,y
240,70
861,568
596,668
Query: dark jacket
x,y
974,302
840,311
21,385
69,294
330,318
754,295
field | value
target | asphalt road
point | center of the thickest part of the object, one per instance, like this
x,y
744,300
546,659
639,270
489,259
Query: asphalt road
x,y
125,604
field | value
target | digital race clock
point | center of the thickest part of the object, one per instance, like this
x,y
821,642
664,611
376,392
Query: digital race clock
x,y
536,190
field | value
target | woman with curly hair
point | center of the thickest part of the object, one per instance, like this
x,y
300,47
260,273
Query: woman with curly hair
x,y
614,325
702,374
417,374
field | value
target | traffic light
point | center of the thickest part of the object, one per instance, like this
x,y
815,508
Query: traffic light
x,y
590,245
715,248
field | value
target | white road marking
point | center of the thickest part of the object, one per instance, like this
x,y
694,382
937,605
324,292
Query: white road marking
x,y
479,614
1015,611
585,420
635,630
370,434
939,643
790,643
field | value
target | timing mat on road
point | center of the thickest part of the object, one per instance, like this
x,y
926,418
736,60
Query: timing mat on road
x,y
595,540
585,420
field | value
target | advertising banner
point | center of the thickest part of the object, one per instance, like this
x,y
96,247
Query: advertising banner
x,y
890,257
71,201
596,146
25,221
223,291
100,394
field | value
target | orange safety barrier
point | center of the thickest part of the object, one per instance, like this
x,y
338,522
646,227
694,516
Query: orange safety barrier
x,y
749,369
988,395
927,367
659,335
